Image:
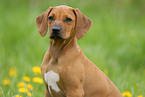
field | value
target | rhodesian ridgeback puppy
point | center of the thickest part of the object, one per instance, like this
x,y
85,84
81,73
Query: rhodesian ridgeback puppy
x,y
66,71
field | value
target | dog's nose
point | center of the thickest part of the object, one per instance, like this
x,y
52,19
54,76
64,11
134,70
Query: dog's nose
x,y
56,28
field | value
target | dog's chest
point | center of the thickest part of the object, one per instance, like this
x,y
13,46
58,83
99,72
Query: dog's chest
x,y
51,78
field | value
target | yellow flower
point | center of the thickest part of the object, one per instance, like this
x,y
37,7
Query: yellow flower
x,y
37,80
36,70
139,96
23,90
29,86
21,84
17,96
29,94
6,82
126,94
27,79
13,72
1,93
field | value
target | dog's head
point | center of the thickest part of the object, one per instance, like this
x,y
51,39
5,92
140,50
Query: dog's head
x,y
63,21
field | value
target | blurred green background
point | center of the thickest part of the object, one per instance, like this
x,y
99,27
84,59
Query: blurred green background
x,y
115,41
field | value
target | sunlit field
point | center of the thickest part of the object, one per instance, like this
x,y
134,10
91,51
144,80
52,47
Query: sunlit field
x,y
115,43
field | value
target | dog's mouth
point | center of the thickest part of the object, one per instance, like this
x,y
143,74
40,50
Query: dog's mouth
x,y
55,36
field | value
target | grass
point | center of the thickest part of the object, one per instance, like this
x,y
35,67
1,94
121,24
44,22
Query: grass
x,y
115,42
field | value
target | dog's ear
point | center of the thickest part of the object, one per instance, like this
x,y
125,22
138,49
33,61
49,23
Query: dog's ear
x,y
42,22
83,23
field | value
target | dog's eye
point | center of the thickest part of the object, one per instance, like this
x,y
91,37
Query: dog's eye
x,y
68,19
51,18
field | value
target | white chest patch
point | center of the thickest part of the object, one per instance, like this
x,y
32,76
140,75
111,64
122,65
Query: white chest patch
x,y
51,78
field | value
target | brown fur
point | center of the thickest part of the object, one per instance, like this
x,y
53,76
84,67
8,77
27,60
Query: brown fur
x,y
79,77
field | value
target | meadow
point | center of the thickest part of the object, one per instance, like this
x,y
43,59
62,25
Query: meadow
x,y
115,43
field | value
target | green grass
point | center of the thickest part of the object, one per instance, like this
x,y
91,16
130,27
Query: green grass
x,y
115,42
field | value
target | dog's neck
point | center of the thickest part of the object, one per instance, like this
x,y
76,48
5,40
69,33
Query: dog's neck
x,y
58,47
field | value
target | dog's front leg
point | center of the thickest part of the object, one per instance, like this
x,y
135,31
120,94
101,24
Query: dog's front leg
x,y
73,81
78,92
47,93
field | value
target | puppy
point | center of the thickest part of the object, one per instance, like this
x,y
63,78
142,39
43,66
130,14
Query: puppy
x,y
66,71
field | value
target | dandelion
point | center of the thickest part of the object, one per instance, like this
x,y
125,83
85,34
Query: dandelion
x,y
37,80
29,86
36,70
13,72
1,93
139,96
29,94
21,84
23,90
6,82
27,79
17,96
126,94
